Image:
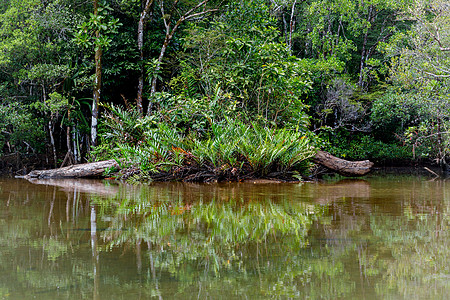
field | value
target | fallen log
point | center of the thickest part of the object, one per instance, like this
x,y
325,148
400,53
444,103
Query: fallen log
x,y
88,170
342,166
97,169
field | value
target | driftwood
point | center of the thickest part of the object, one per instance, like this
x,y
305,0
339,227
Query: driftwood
x,y
342,166
88,170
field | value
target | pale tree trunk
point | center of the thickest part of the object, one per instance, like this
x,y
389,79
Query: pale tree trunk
x,y
364,55
170,31
52,141
97,84
291,25
68,141
159,61
50,128
69,156
145,14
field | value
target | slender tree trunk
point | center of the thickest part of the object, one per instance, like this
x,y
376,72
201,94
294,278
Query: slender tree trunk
x,y
75,136
363,51
159,62
285,30
97,83
50,127
52,141
292,25
441,154
68,141
140,41
169,35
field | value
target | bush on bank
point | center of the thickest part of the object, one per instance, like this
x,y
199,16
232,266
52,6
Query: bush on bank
x,y
228,150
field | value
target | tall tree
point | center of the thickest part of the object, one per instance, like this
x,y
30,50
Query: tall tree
x,y
95,32
143,17
171,26
97,79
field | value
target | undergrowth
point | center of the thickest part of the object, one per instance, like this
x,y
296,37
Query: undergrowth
x,y
230,150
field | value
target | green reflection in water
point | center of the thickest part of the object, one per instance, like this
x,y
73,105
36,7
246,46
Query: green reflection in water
x,y
354,239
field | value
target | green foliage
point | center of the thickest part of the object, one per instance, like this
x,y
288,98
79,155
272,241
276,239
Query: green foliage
x,y
56,104
250,65
420,76
327,67
37,63
155,146
19,129
394,111
124,125
96,31
362,147
262,148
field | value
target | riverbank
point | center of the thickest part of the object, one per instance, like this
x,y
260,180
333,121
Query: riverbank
x,y
191,171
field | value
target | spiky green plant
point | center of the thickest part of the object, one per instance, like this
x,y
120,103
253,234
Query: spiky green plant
x,y
263,148
229,145
274,149
124,125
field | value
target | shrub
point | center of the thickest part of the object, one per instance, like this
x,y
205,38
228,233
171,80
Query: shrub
x,y
230,144
366,147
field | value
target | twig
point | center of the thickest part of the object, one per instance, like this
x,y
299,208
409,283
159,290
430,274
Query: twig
x,y
432,172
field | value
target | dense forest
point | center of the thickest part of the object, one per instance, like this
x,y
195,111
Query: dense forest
x,y
222,88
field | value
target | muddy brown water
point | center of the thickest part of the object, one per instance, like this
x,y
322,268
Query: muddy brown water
x,y
380,237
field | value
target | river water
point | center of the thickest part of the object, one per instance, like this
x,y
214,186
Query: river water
x,y
381,237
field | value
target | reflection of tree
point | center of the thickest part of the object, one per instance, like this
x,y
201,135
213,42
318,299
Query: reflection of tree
x,y
216,232
420,248
35,237
398,238
346,239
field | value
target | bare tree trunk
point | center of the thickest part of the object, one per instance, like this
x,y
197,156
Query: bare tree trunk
x,y
441,154
291,25
97,83
364,51
52,141
140,40
169,35
50,128
68,141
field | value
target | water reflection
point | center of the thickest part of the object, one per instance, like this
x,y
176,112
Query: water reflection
x,y
374,238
